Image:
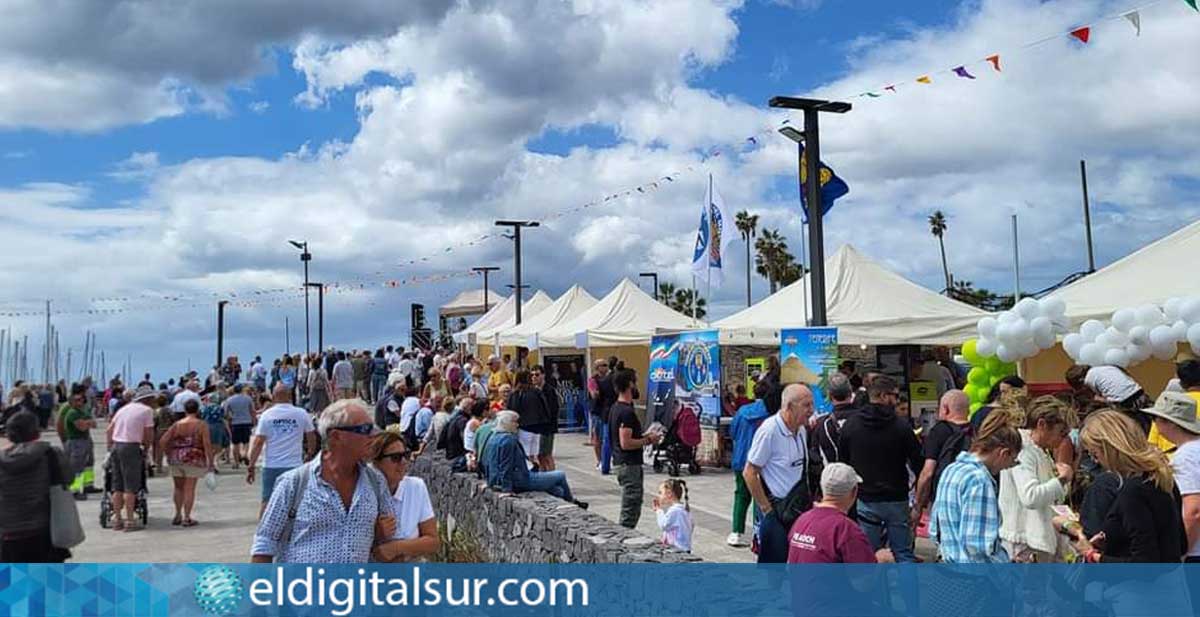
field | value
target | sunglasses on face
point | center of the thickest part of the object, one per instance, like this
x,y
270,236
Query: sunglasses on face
x,y
396,457
359,429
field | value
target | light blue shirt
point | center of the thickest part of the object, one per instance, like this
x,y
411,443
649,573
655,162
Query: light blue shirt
x,y
424,420
324,531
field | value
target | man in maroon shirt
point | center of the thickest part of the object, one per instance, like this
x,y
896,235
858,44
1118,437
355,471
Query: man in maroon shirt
x,y
825,534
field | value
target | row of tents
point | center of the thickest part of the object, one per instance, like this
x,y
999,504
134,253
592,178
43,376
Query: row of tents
x,y
868,303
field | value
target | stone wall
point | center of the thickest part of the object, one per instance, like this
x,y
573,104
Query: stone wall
x,y
529,527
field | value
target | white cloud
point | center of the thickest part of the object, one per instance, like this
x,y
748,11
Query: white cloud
x,y
259,107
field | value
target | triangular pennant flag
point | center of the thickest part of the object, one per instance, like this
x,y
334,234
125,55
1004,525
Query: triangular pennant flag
x,y
995,60
924,79
1192,3
1135,18
961,71
1082,33
892,88
872,95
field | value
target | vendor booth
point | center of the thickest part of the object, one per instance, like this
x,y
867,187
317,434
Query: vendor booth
x,y
484,338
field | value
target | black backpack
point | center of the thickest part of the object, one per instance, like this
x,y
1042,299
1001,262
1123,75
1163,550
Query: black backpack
x,y
959,441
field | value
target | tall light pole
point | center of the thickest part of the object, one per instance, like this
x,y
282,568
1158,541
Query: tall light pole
x,y
305,257
485,270
654,276
320,313
516,238
810,141
221,331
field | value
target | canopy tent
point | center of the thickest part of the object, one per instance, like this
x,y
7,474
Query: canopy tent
x,y
868,303
529,309
626,316
470,302
500,315
1150,275
568,306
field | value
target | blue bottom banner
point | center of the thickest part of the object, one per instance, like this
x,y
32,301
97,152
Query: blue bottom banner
x,y
181,590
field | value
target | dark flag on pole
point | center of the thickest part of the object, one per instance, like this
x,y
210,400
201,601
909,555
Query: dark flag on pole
x,y
832,187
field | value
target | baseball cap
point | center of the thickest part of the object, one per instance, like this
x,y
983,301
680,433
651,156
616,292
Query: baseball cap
x,y
839,479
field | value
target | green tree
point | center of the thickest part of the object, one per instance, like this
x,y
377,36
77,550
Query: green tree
x,y
937,227
747,225
680,299
774,261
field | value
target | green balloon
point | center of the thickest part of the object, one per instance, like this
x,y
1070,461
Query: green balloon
x,y
970,354
979,376
993,365
995,379
971,390
1009,368
975,407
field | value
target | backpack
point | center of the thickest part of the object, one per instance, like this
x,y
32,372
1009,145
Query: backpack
x,y
687,428
959,441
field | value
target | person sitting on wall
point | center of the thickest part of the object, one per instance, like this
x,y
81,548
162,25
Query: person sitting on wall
x,y
505,464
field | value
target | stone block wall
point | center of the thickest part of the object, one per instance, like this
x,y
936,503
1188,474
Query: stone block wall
x,y
529,527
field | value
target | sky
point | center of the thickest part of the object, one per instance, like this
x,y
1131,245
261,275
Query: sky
x,y
169,150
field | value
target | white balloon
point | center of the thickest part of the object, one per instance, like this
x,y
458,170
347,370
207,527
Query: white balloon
x,y
1179,330
987,327
1003,332
1053,307
1139,335
1028,308
1161,336
1062,325
1005,354
1116,357
1149,315
1091,329
1138,353
1124,319
1104,340
1171,308
986,347
1041,325
1019,331
1007,317
1193,337
1189,310
1072,343
1091,354
1116,338
1166,352
1044,340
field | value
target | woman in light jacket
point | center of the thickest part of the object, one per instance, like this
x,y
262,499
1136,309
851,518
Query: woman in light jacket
x,y
1036,483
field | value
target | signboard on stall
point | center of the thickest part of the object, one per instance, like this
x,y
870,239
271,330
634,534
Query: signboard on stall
x,y
809,356
685,371
923,404
567,375
660,383
755,367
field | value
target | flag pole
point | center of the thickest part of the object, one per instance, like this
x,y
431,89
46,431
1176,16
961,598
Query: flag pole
x,y
711,222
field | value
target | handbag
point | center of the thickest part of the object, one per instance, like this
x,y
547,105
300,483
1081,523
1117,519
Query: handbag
x,y
66,531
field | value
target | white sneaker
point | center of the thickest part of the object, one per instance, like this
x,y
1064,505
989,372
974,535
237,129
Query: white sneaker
x,y
735,539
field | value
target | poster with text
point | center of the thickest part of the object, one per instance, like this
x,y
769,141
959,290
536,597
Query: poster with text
x,y
660,386
809,356
698,375
755,367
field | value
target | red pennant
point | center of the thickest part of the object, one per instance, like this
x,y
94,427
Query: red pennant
x,y
1082,34
995,60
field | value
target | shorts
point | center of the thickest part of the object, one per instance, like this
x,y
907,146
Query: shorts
x,y
595,425
218,435
546,447
530,441
187,471
241,433
128,468
269,476
80,455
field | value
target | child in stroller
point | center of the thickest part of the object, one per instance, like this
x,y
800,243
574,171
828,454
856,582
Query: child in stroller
x,y
682,436
140,506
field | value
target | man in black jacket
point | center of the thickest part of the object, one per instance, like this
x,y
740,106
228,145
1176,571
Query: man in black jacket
x,y
879,446
530,405
546,386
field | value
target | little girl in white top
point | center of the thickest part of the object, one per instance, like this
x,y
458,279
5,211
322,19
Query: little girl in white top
x,y
674,518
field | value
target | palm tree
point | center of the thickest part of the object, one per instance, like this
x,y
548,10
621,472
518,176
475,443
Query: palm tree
x,y
666,293
937,227
747,224
682,302
774,261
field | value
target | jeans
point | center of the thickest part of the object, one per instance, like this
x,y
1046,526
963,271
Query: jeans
x,y
630,479
378,384
605,449
553,482
772,540
887,520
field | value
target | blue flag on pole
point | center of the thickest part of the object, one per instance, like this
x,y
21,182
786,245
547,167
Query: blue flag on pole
x,y
832,187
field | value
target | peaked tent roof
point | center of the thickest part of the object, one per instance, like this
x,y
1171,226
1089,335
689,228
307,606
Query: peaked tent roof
x,y
1149,275
868,303
529,309
499,314
568,306
626,316
470,302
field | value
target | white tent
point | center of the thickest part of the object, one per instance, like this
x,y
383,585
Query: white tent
x,y
529,309
626,316
1150,275
868,303
568,306
470,302
500,315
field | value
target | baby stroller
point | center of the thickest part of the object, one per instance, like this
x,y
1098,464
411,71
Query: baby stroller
x,y
678,446
140,507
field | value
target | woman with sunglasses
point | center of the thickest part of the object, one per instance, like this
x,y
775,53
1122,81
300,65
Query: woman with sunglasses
x,y
416,527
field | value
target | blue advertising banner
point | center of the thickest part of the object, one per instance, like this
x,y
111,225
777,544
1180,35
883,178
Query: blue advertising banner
x,y
809,356
699,375
660,383
834,590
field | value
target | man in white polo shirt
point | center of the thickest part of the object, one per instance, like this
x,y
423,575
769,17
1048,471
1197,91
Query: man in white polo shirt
x,y
288,434
775,471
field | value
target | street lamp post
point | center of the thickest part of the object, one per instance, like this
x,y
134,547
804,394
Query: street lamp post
x,y
485,270
810,140
221,331
320,313
516,237
654,276
305,257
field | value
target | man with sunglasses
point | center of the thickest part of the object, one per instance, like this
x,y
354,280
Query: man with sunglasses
x,y
335,508
287,434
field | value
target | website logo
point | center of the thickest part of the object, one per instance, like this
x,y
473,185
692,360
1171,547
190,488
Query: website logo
x,y
218,591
